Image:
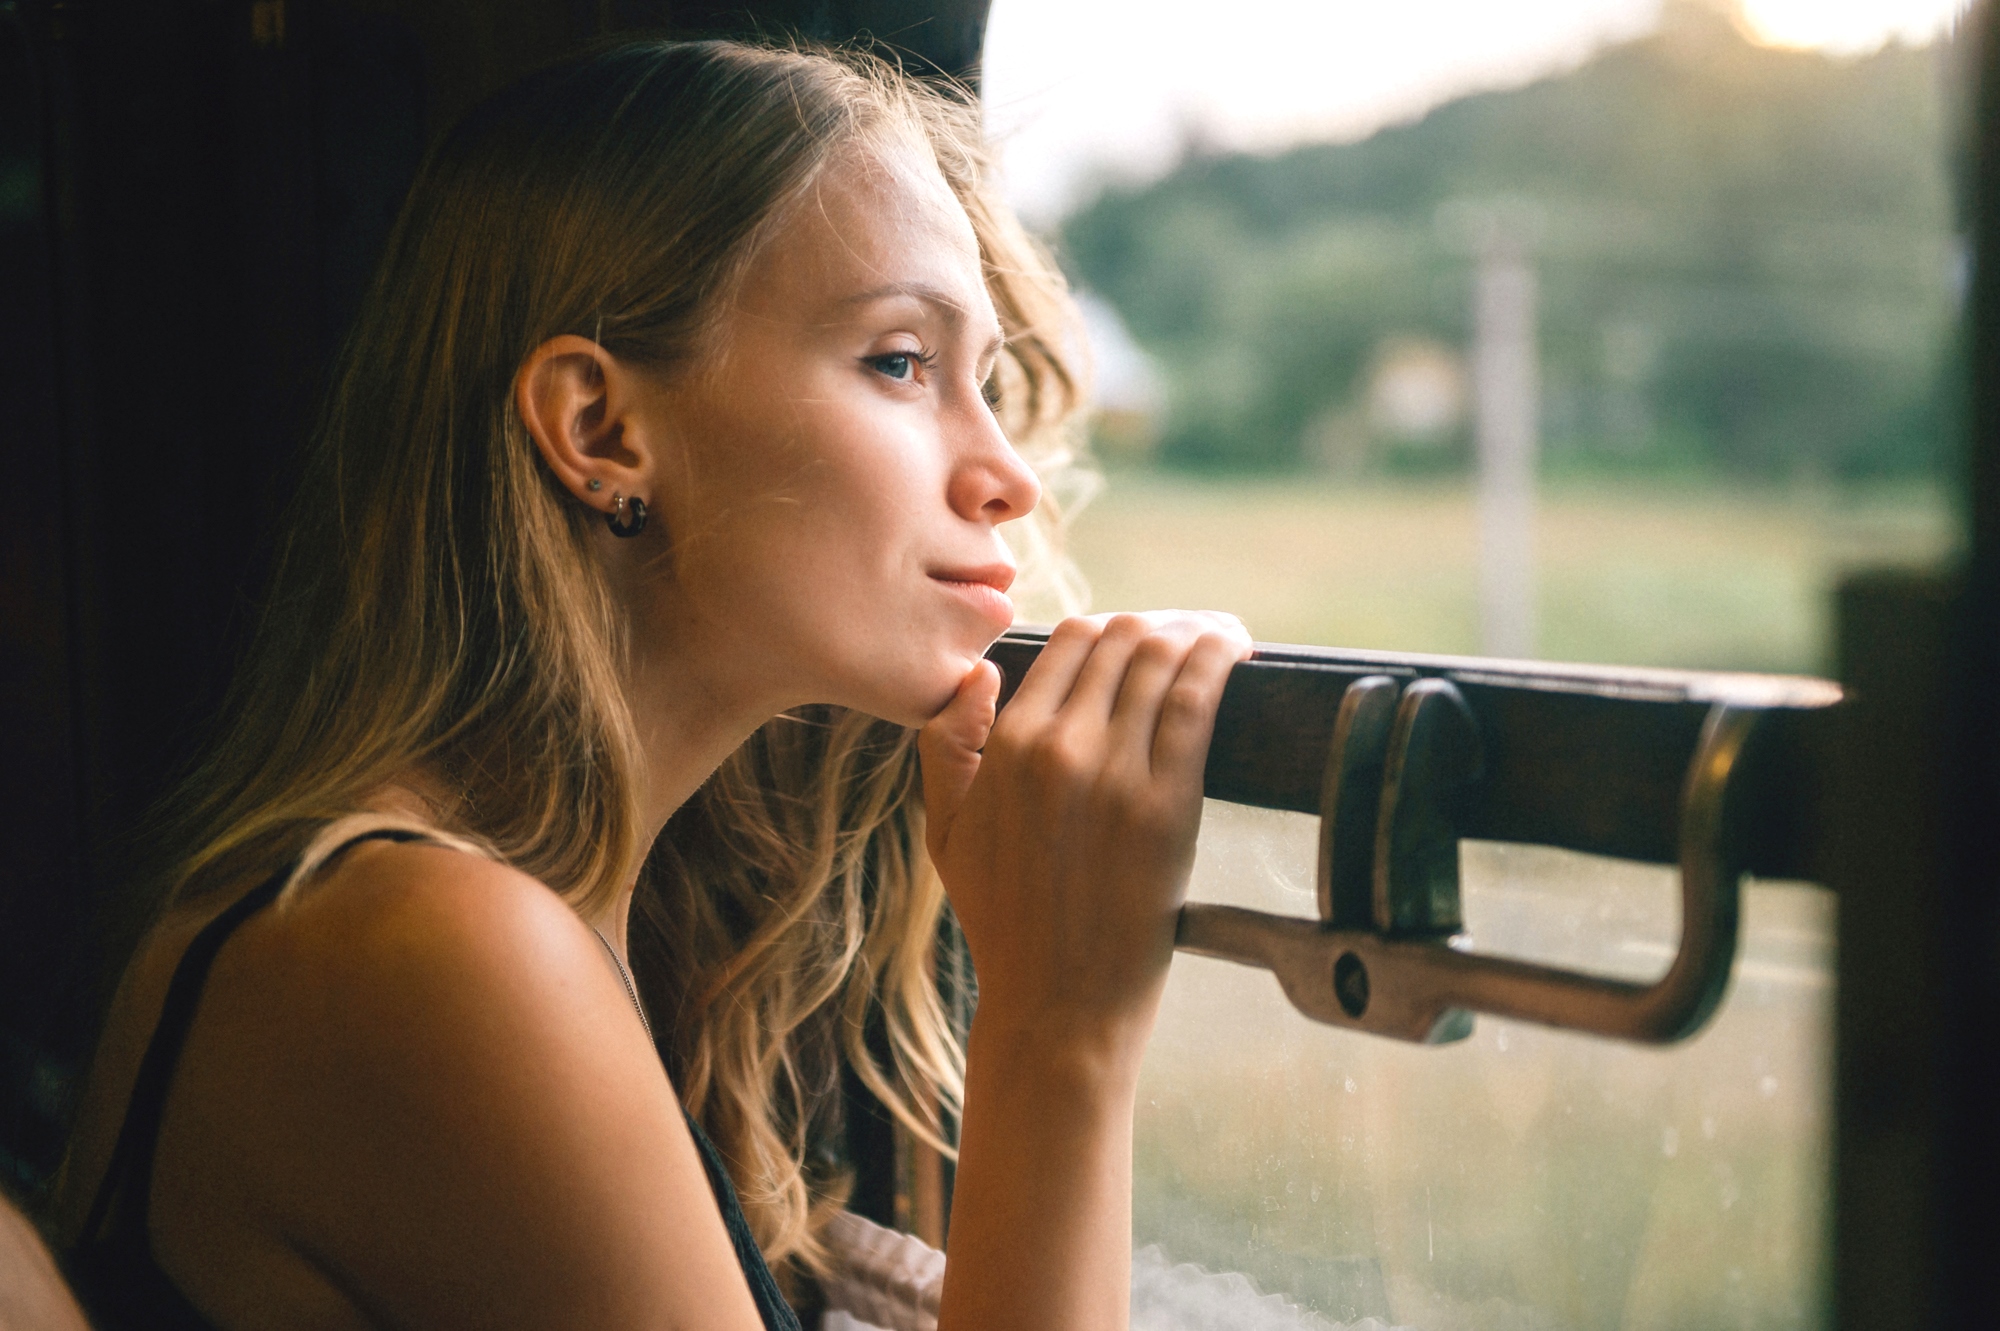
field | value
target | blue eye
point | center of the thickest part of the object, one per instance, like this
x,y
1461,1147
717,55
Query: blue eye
x,y
898,365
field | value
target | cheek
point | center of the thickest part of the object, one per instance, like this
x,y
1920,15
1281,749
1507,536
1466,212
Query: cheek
x,y
874,631
865,497
812,538
802,543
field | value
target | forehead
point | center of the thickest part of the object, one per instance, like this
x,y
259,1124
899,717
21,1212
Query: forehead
x,y
879,217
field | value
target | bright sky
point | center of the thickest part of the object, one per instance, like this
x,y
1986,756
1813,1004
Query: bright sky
x,y
1308,69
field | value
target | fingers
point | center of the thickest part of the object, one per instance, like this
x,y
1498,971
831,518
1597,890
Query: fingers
x,y
1083,667
1187,710
1095,693
1114,676
1155,664
948,746
1049,680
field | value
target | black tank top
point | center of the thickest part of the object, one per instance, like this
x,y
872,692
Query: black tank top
x,y
112,1267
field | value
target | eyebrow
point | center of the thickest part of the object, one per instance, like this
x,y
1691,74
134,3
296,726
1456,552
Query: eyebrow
x,y
923,293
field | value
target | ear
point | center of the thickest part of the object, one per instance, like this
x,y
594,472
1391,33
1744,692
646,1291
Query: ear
x,y
581,406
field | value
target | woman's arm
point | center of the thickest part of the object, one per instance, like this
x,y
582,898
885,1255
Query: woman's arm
x,y
1066,846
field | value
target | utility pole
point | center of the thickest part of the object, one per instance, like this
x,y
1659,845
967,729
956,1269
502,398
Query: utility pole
x,y
1506,380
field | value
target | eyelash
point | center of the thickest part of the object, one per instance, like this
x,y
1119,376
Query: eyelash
x,y
924,360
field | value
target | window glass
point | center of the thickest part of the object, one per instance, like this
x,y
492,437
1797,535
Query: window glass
x,y
1522,1177
1600,330
1604,330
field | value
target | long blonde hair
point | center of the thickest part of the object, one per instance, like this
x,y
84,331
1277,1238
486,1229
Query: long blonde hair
x,y
436,605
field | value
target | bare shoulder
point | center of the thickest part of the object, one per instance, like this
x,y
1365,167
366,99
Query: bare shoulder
x,y
389,921
420,1081
345,962
417,981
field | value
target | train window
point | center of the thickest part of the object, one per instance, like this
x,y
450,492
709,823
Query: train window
x,y
1594,331
1522,1177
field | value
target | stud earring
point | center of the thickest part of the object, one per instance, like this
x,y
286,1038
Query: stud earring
x,y
619,503
593,484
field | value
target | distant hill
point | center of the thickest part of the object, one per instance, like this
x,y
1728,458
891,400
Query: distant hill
x,y
1747,256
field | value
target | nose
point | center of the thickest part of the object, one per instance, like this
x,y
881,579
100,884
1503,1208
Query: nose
x,y
990,481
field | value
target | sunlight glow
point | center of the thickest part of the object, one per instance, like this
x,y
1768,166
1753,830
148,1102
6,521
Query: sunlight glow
x,y
1083,91
1079,91
1848,25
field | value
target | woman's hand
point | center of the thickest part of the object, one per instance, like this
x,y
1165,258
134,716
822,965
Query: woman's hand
x,y
1066,845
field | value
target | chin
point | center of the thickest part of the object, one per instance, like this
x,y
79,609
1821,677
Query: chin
x,y
918,691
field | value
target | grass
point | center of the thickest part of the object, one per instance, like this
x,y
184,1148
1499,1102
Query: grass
x,y
1639,573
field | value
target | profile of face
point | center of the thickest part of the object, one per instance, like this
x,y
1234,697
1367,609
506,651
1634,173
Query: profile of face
x,y
833,476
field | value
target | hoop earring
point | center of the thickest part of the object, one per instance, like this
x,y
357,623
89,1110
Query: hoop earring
x,y
619,503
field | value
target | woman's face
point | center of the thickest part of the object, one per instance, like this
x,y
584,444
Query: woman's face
x,y
834,530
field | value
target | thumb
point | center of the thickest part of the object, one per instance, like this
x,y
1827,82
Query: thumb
x,y
948,747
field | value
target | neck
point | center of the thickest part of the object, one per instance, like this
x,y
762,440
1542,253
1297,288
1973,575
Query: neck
x,y
690,717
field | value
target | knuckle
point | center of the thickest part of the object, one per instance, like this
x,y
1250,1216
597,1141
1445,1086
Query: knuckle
x,y
1218,641
1126,626
1157,650
1055,754
1076,628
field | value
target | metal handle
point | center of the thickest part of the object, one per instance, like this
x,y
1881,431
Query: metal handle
x,y
1386,956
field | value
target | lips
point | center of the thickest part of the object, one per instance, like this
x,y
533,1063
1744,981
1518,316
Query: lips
x,y
997,576
984,588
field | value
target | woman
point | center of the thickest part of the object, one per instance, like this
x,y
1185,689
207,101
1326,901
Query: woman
x,y
667,454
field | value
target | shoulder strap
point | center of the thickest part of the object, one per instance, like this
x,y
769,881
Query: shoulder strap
x,y
130,1171
777,1315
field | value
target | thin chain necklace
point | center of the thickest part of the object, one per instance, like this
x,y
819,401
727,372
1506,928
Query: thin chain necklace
x,y
631,990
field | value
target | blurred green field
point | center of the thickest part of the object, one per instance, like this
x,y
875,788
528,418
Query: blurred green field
x,y
1525,1178
1665,573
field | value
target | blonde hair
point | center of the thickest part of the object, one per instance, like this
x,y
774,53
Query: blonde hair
x,y
435,603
